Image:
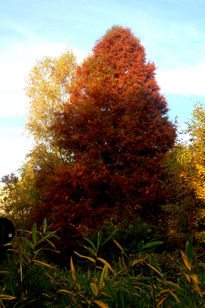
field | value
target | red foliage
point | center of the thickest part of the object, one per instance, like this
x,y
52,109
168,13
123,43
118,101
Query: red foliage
x,y
117,132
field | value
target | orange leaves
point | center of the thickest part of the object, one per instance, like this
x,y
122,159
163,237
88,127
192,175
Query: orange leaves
x,y
113,134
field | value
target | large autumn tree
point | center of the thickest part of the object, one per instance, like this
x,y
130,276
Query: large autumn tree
x,y
116,131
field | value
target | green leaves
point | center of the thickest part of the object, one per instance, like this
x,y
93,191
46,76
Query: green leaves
x,y
34,234
189,249
139,282
25,267
152,244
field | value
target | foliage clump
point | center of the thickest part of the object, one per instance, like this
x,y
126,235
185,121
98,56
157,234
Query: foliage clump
x,y
113,133
184,185
134,280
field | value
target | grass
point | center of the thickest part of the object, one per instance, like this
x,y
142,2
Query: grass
x,y
138,279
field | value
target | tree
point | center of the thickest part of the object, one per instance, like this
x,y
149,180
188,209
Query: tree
x,y
194,156
19,194
47,89
180,201
193,161
115,131
185,182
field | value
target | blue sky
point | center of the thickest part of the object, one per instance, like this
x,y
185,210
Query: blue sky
x,y
171,31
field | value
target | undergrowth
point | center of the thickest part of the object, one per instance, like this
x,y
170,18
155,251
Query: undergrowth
x,y
140,278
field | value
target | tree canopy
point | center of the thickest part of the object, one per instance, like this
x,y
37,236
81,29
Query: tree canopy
x,y
115,131
47,89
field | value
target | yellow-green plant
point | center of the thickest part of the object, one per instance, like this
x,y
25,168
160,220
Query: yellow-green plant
x,y
26,268
136,281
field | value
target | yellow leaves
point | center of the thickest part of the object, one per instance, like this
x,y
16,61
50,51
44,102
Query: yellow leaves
x,y
186,262
154,268
72,269
196,283
65,291
192,157
198,290
162,300
191,278
21,272
201,169
104,275
106,263
101,304
136,261
118,245
94,288
43,263
6,297
47,90
85,257
187,276
194,279
191,172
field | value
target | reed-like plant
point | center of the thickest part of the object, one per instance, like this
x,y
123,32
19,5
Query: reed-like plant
x,y
135,280
23,275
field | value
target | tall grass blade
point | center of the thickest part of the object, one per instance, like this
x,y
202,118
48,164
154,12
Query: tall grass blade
x,y
103,276
94,289
72,269
91,243
161,301
106,263
34,233
120,247
85,257
44,263
189,249
29,243
109,237
186,262
152,267
111,290
152,244
92,251
7,297
101,304
99,240
44,225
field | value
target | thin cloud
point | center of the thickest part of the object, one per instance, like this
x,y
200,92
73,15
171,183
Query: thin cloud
x,y
14,151
183,81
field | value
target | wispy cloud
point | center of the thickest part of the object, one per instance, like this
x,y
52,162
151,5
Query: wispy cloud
x,y
185,81
14,147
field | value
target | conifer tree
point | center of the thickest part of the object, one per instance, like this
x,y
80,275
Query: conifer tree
x,y
115,130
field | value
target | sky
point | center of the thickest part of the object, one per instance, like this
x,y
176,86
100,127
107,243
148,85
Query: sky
x,y
172,32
